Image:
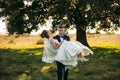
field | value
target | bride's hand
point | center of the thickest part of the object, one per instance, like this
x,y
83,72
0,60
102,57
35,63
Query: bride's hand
x,y
56,43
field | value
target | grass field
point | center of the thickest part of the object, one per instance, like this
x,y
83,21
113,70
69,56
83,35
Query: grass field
x,y
20,59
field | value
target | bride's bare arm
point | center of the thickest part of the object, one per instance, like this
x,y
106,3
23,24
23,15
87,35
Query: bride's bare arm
x,y
54,44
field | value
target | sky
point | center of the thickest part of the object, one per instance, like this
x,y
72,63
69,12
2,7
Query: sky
x,y
3,30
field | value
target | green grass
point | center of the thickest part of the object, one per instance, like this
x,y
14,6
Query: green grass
x,y
23,62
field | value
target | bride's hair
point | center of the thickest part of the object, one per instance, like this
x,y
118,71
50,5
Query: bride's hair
x,y
44,34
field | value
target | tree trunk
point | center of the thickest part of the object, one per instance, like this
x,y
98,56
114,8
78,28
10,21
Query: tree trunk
x,y
81,36
80,22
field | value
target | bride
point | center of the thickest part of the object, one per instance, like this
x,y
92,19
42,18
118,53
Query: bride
x,y
66,52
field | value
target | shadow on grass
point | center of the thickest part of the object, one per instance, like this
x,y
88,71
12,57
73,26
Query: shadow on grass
x,y
103,65
26,64
21,64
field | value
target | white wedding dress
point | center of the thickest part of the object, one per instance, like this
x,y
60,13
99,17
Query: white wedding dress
x,y
66,54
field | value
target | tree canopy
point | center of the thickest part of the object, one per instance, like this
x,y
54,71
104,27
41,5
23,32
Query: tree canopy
x,y
23,18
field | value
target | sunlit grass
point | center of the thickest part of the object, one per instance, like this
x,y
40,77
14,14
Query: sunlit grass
x,y
20,59
21,46
106,41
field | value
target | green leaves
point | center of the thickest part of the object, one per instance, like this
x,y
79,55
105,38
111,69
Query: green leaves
x,y
77,12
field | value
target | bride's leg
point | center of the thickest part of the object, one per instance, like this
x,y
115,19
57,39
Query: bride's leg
x,y
80,55
85,52
82,58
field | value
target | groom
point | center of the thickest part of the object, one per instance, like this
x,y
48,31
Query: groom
x,y
61,69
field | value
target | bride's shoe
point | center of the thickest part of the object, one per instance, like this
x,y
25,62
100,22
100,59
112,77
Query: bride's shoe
x,y
83,59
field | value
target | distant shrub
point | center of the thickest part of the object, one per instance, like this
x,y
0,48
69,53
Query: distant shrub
x,y
41,41
11,41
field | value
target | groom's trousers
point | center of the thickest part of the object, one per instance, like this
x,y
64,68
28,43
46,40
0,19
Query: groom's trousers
x,y
61,71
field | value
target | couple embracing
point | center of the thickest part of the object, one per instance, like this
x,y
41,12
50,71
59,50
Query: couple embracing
x,y
64,52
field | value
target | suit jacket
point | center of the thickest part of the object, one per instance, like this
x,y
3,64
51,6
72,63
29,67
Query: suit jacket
x,y
65,37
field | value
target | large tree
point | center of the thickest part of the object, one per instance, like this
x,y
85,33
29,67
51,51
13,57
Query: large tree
x,y
81,13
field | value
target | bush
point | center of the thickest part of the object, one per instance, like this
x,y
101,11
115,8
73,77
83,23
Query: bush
x,y
41,41
11,41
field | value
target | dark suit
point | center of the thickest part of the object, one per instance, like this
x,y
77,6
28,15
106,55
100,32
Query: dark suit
x,y
60,66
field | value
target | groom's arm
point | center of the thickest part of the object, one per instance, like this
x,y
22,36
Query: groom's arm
x,y
55,45
57,37
67,38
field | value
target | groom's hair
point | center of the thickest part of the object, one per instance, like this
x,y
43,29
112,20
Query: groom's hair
x,y
60,27
44,34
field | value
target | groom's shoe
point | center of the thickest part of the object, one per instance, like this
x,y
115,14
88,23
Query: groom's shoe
x,y
83,59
